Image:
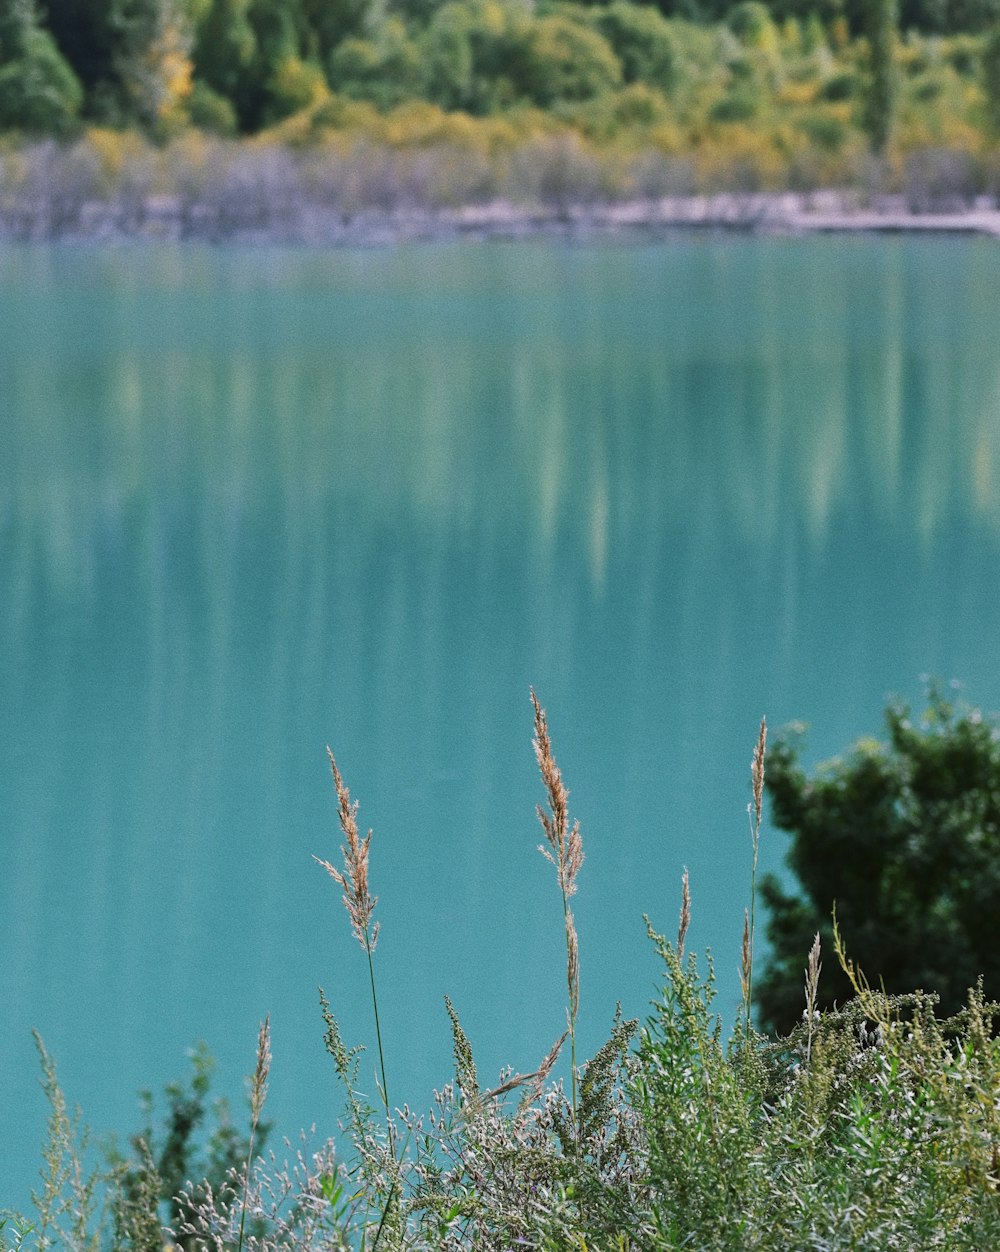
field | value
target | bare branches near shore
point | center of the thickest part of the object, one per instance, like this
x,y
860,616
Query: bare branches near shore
x,y
365,193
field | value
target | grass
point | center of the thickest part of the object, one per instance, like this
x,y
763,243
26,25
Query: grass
x,y
873,1126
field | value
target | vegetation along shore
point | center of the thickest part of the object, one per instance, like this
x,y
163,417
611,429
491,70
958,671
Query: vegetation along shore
x,y
307,121
868,1120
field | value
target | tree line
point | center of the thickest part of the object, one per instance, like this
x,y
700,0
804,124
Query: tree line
x,y
238,66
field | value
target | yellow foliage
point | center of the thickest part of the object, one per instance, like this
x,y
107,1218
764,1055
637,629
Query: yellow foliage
x,y
751,151
669,139
939,130
161,82
416,123
798,93
299,83
112,148
840,33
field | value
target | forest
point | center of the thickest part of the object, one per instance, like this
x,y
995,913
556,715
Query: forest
x,y
800,74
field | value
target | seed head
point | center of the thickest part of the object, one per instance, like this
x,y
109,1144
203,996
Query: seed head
x,y
360,904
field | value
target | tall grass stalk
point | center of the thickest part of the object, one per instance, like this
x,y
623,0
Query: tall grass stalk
x,y
565,852
754,812
258,1094
360,905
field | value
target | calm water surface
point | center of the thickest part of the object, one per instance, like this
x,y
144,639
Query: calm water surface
x,y
255,502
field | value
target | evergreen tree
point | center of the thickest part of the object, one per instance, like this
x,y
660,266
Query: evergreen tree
x,y
881,96
225,50
991,78
39,92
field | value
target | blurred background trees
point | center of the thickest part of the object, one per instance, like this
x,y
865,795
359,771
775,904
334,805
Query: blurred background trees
x,y
240,66
39,92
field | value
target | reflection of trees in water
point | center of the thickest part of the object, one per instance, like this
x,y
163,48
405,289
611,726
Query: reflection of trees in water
x,y
247,465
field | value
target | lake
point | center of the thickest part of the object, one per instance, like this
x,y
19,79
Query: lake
x,y
254,502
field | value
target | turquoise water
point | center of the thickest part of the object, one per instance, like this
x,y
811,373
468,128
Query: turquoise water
x,y
254,502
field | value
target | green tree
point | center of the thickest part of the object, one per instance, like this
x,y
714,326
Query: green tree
x,y
330,21
39,92
562,60
132,57
225,48
473,51
881,19
903,838
991,78
385,69
259,55
447,58
642,40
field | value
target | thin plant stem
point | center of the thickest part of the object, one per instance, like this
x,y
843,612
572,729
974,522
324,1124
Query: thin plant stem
x,y
565,852
258,1093
360,905
378,1040
754,813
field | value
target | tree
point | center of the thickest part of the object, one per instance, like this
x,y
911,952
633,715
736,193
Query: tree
x,y
643,41
384,69
991,78
561,60
881,20
39,92
903,839
225,48
152,61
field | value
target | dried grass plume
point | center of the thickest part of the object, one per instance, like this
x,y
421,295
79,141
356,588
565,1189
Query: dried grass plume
x,y
685,917
757,770
358,901
566,845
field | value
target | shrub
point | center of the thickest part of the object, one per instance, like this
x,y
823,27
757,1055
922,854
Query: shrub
x,y
904,838
740,104
210,111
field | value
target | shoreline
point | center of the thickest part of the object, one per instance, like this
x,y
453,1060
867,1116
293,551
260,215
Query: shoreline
x,y
305,223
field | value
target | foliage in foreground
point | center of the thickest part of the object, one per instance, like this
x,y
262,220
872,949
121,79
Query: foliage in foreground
x,y
903,838
868,1127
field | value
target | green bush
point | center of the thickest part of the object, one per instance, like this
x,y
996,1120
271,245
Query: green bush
x,y
840,86
903,838
210,111
740,104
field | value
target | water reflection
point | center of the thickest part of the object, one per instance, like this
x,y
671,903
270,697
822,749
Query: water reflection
x,y
252,502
